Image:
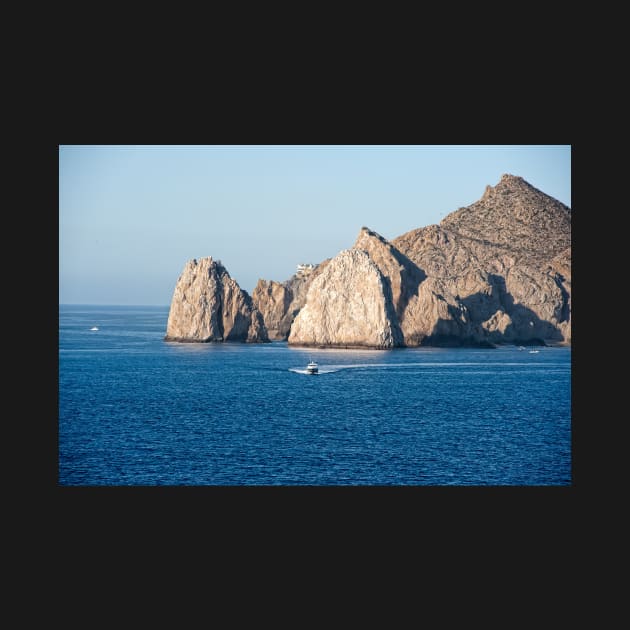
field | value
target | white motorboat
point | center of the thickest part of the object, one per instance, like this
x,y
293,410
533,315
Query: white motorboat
x,y
312,368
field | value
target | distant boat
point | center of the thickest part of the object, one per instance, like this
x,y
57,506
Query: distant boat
x,y
534,351
94,328
521,347
312,368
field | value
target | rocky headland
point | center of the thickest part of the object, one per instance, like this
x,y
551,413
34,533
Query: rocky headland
x,y
507,258
497,271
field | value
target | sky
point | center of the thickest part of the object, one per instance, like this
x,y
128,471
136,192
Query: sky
x,y
130,216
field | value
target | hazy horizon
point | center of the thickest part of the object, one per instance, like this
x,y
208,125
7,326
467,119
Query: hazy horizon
x,y
130,217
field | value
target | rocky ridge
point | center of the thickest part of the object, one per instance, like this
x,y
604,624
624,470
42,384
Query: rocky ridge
x,y
508,259
497,271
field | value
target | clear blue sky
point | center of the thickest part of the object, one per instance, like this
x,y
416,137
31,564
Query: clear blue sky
x,y
131,216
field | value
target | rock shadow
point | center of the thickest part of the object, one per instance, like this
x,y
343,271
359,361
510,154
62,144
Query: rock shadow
x,y
390,310
525,328
411,277
239,328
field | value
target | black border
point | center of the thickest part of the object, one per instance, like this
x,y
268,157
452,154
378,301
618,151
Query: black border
x,y
483,108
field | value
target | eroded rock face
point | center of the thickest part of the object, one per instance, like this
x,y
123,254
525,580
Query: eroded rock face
x,y
436,317
272,299
208,305
498,327
507,255
280,302
403,276
347,306
426,311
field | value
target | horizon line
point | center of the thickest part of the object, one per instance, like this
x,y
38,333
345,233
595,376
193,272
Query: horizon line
x,y
102,304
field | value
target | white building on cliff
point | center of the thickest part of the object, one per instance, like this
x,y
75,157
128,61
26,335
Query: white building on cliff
x,y
305,268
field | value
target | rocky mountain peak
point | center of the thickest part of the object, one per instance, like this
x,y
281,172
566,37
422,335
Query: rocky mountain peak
x,y
365,234
373,243
517,217
508,255
508,178
507,185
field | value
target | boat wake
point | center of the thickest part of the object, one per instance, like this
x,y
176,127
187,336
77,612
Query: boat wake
x,y
321,371
422,365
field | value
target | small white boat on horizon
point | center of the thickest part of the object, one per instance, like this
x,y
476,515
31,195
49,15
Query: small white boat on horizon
x,y
534,351
94,328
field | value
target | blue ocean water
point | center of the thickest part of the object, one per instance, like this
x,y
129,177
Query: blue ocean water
x,y
135,410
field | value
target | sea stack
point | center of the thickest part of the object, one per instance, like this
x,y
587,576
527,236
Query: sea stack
x,y
208,305
347,306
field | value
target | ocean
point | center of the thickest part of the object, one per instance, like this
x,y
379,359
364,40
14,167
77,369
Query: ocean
x,y
137,411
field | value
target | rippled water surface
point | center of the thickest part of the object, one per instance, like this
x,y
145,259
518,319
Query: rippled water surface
x,y
135,410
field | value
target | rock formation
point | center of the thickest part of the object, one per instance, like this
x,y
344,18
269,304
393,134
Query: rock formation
x,y
403,275
507,258
426,311
401,306
280,302
208,305
273,299
348,305
496,271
